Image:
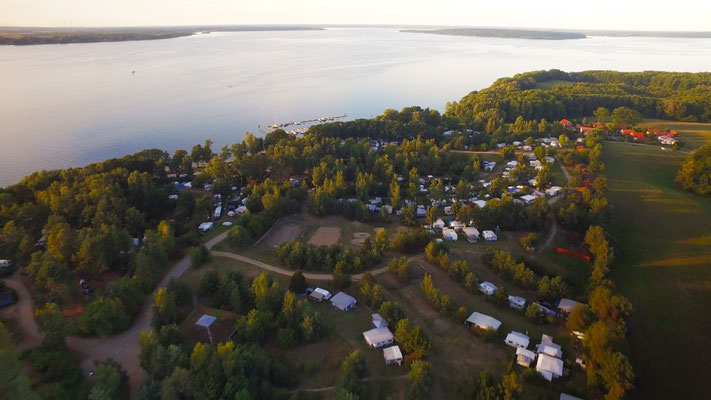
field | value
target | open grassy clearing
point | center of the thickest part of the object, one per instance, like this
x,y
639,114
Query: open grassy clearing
x,y
692,134
546,85
663,265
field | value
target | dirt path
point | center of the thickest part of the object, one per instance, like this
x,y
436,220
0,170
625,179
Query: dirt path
x,y
23,312
124,347
288,272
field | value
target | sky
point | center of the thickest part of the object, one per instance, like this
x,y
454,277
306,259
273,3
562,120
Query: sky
x,y
681,15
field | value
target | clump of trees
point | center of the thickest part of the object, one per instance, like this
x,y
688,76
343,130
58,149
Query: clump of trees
x,y
400,268
695,173
296,254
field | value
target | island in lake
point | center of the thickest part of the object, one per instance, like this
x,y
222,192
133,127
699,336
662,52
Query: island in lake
x,y
502,33
20,36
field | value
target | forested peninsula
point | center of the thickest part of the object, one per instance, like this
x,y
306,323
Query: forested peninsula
x,y
31,36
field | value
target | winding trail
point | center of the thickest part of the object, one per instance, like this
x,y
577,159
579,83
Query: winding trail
x,y
23,312
124,347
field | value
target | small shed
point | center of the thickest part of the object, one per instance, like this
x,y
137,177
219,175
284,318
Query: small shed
x,y
378,321
392,355
489,236
378,337
482,321
343,301
549,367
517,339
524,357
488,288
471,233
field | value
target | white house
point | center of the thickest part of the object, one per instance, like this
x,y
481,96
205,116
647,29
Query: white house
x,y
489,236
343,301
488,288
378,337
439,224
449,234
392,355
472,234
567,305
549,367
205,226
517,339
524,357
517,302
482,321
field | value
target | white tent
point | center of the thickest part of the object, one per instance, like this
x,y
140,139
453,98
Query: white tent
x,y
488,288
326,294
517,339
392,355
241,210
565,396
553,190
343,301
524,357
482,321
549,367
472,234
439,224
378,337
528,199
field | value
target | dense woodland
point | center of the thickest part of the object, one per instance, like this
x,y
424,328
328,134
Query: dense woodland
x,y
113,220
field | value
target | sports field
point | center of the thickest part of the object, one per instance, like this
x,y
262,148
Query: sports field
x,y
662,237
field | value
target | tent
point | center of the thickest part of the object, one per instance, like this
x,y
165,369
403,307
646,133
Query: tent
x,y
378,337
206,321
392,355
549,367
517,339
343,301
378,321
482,321
439,224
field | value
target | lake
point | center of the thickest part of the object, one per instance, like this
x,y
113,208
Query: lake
x,y
70,105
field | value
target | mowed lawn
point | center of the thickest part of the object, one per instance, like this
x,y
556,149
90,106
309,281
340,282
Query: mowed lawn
x,y
663,265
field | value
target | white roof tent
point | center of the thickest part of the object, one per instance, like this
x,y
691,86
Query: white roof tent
x,y
567,305
378,321
206,320
378,337
392,355
549,367
343,301
517,339
482,321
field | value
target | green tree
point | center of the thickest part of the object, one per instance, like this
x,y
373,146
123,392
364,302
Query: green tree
x,y
601,113
419,379
297,283
623,116
14,383
111,382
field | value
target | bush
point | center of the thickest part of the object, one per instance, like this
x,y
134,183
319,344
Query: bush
x,y
239,236
287,338
297,283
199,255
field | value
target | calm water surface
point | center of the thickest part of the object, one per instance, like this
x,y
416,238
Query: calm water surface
x,y
69,105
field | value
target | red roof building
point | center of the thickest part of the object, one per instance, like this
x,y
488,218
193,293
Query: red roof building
x,y
565,122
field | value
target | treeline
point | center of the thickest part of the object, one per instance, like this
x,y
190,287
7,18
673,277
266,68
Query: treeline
x,y
335,258
695,173
667,95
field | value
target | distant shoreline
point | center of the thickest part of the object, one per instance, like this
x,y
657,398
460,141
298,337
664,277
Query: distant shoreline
x,y
10,36
501,33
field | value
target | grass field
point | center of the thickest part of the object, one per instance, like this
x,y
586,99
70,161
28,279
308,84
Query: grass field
x,y
663,265
692,134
